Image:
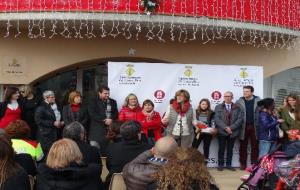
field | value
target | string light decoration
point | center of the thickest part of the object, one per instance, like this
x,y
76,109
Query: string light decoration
x,y
260,23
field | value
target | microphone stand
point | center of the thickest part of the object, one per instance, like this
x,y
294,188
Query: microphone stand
x,y
180,131
180,126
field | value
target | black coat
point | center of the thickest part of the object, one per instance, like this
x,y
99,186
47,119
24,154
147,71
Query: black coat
x,y
20,181
97,113
29,108
90,153
47,132
68,115
27,163
75,177
119,154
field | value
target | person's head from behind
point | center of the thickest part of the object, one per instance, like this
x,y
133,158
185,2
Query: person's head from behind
x,y
18,129
266,104
130,130
11,94
184,170
75,97
74,131
103,93
8,166
63,153
164,147
248,91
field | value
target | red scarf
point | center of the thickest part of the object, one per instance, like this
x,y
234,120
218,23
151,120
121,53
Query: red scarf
x,y
178,109
75,107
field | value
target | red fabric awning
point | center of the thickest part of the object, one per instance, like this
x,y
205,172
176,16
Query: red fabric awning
x,y
282,13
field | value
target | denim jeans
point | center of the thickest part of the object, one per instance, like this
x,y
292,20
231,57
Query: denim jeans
x,y
265,147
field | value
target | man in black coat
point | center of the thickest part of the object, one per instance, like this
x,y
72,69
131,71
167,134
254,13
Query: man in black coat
x,y
102,111
119,154
76,132
48,120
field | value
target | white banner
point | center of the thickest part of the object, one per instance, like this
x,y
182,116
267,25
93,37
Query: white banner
x,y
159,82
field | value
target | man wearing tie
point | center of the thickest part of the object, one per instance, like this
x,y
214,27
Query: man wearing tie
x,y
228,119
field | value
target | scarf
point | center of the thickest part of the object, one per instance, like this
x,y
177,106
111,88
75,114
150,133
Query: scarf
x,y
149,116
75,107
181,110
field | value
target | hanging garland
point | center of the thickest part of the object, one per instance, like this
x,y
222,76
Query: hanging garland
x,y
267,23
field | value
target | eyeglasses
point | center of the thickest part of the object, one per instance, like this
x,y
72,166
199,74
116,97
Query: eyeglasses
x,y
227,96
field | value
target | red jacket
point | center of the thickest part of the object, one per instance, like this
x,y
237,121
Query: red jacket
x,y
127,114
154,124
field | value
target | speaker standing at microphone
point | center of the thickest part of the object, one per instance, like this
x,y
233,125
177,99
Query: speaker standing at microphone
x,y
179,118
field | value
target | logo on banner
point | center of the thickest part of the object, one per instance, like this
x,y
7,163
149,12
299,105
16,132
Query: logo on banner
x,y
187,78
129,78
243,79
130,70
216,97
159,96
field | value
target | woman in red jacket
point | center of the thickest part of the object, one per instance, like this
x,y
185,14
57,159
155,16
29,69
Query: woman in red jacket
x,y
130,108
10,109
150,121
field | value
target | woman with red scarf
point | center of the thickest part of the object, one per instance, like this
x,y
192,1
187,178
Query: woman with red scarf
x,y
179,119
11,108
75,111
150,121
130,108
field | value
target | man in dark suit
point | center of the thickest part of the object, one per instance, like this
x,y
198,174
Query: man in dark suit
x,y
102,111
48,120
119,154
228,119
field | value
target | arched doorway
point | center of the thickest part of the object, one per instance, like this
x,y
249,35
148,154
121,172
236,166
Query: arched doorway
x,y
85,77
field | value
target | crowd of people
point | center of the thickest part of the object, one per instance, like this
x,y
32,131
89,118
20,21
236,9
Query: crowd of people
x,y
61,146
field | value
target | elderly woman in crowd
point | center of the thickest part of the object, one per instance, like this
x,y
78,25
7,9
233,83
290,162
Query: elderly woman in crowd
x,y
48,120
64,169
19,132
75,111
179,118
11,108
130,109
